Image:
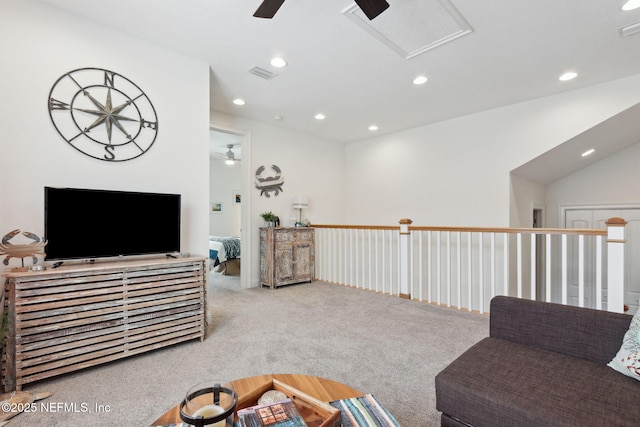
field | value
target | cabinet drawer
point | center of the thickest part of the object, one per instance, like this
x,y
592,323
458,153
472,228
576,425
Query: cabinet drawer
x,y
293,234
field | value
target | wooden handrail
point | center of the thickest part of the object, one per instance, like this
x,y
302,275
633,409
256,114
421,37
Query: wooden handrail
x,y
358,227
571,231
574,231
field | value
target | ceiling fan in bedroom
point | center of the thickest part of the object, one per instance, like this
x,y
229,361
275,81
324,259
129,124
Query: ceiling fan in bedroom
x,y
230,156
371,8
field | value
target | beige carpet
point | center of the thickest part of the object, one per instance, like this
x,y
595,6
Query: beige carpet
x,y
379,344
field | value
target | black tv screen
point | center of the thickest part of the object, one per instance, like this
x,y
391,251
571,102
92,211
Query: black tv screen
x,y
81,223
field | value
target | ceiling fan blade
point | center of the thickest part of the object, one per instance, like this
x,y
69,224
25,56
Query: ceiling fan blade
x,y
268,8
372,8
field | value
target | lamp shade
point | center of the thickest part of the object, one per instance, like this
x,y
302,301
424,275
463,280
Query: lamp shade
x,y
300,202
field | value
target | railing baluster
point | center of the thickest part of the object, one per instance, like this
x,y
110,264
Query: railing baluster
x,y
505,267
599,272
384,258
333,252
370,240
420,266
376,269
470,272
366,284
326,262
429,268
439,267
481,271
358,258
410,288
448,269
396,276
548,268
351,269
340,254
459,264
493,264
580,271
519,263
391,277
564,269
359,262
342,261
532,280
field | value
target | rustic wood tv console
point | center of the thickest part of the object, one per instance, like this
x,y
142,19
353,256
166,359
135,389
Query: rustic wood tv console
x,y
72,317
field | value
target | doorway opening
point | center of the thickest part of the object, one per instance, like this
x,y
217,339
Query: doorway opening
x,y
229,237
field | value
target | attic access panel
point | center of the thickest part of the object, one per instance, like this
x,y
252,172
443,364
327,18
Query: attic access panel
x,y
412,27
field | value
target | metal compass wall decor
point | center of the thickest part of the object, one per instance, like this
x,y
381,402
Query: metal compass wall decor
x,y
269,184
103,114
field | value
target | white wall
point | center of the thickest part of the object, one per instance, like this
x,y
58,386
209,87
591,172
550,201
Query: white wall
x,y
457,172
39,45
309,165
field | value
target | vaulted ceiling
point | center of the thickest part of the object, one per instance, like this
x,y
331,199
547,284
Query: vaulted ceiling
x,y
356,72
477,55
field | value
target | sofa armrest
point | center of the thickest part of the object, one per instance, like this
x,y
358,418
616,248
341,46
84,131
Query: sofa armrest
x,y
580,332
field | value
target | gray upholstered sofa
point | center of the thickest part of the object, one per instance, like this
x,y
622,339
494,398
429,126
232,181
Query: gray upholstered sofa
x,y
543,364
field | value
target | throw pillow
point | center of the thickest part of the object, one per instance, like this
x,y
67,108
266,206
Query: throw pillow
x,y
627,361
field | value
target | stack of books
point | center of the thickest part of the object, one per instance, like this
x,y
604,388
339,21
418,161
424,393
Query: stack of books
x,y
278,414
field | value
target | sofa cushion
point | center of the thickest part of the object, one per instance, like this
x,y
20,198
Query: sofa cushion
x,y
501,383
627,360
581,332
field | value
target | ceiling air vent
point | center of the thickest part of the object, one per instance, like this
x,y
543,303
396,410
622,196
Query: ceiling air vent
x,y
629,30
262,73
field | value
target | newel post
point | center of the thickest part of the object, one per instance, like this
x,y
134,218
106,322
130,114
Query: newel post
x,y
615,264
405,259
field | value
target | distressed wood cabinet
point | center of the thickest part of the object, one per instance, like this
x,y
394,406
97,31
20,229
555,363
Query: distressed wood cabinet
x,y
73,317
287,255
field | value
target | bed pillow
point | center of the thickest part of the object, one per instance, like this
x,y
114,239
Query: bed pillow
x,y
627,361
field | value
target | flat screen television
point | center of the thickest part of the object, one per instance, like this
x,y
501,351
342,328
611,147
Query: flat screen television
x,y
82,223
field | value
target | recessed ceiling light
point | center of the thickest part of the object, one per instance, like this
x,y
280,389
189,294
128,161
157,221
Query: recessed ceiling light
x,y
570,75
630,5
319,116
278,62
586,153
373,128
238,101
420,80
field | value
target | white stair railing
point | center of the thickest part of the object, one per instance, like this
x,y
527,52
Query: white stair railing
x,y
465,267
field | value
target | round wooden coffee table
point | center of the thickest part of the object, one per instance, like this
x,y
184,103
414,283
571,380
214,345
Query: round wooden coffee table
x,y
323,389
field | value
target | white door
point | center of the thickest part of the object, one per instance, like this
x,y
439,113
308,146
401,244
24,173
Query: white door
x,y
597,218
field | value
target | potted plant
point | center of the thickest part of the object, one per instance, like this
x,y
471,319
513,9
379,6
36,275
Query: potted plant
x,y
269,218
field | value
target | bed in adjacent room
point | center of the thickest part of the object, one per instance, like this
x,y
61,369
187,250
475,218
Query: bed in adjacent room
x,y
223,252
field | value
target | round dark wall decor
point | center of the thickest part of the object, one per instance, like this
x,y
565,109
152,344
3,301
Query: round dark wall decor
x,y
103,114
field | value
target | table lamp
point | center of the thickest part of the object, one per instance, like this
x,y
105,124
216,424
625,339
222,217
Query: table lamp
x,y
300,202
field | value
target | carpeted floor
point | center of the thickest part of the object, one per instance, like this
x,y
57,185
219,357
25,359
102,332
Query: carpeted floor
x,y
379,344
